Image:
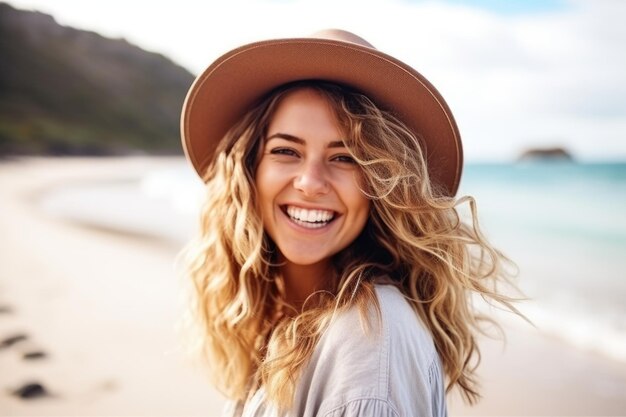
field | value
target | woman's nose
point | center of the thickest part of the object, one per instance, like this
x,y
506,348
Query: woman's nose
x,y
312,179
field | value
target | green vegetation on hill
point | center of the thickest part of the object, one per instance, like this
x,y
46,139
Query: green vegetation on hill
x,y
67,91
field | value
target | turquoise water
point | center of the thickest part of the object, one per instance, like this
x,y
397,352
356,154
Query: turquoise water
x,y
564,224
563,200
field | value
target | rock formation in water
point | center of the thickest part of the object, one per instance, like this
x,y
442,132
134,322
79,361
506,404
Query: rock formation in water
x,y
546,154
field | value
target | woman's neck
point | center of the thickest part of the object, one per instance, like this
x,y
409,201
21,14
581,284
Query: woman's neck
x,y
303,280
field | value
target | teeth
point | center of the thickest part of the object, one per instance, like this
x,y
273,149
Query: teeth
x,y
310,218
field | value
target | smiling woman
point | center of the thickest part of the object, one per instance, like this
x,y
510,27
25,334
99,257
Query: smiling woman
x,y
308,191
332,274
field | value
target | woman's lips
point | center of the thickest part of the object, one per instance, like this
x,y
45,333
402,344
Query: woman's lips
x,y
309,218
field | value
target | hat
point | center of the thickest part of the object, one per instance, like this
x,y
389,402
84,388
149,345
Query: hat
x,y
231,85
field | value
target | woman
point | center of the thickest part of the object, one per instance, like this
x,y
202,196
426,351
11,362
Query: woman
x,y
332,274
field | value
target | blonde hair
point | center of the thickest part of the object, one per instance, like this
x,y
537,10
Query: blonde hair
x,y
414,239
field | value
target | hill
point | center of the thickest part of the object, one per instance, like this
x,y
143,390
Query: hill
x,y
68,91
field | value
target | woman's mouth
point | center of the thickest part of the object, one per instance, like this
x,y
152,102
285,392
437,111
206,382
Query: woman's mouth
x,y
312,219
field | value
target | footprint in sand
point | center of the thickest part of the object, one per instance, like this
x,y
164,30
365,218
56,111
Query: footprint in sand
x,y
5,309
31,390
12,340
34,354
27,352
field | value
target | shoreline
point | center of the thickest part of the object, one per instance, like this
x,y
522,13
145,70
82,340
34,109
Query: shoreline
x,y
102,307
127,205
111,341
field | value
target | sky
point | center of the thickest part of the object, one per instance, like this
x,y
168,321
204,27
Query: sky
x,y
516,73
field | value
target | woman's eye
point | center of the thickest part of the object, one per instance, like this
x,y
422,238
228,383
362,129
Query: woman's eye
x,y
345,159
283,151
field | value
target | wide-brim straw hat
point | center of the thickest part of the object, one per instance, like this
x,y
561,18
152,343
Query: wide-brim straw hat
x,y
237,80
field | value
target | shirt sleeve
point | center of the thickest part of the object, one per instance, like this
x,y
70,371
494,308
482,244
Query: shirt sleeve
x,y
365,407
435,376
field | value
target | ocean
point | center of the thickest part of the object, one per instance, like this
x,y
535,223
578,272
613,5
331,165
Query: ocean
x,y
562,223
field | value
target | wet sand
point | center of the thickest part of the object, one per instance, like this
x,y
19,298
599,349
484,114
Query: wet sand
x,y
90,314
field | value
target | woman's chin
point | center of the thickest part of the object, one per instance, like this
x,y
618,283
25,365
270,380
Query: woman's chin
x,y
305,259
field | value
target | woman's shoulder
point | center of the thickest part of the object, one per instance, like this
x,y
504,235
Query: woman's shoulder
x,y
371,356
392,323
401,322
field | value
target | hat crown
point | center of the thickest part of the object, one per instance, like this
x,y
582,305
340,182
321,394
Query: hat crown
x,y
341,35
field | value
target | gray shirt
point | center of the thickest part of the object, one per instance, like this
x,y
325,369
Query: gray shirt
x,y
391,370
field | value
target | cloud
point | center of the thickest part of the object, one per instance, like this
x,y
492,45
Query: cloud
x,y
512,80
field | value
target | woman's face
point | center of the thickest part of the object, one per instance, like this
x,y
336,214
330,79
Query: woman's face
x,y
308,185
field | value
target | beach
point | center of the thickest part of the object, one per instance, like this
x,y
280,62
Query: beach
x,y
90,310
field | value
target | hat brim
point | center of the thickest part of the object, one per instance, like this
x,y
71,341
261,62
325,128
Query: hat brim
x,y
228,88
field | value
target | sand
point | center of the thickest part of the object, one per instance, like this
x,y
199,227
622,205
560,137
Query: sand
x,y
103,307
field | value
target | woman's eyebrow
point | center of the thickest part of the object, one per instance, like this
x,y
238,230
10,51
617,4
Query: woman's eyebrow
x,y
300,141
286,136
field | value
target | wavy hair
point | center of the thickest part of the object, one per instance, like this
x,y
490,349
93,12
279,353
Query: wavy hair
x,y
414,239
